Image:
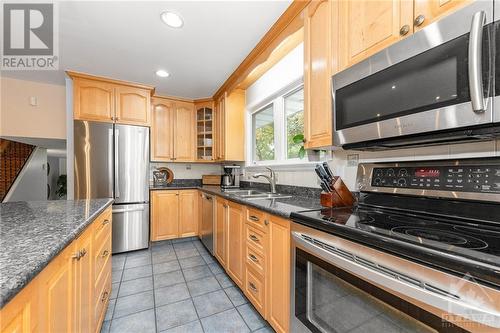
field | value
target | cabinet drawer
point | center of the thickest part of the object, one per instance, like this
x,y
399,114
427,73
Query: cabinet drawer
x,y
255,290
255,260
256,218
102,257
103,292
102,226
255,237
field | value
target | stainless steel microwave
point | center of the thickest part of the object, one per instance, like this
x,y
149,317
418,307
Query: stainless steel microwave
x,y
436,86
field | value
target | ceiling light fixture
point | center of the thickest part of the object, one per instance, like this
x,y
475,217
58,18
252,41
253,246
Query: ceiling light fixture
x,y
162,73
172,19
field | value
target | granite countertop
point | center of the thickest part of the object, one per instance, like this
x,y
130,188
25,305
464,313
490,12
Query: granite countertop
x,y
32,233
281,206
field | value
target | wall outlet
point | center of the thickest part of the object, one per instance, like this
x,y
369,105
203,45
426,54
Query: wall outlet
x,y
352,160
188,166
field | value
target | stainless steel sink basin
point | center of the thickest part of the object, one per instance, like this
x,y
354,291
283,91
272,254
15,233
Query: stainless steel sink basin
x,y
265,196
240,193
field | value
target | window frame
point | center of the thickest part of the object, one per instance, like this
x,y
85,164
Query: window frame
x,y
280,126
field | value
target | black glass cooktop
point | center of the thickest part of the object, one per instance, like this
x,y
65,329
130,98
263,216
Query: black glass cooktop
x,y
451,242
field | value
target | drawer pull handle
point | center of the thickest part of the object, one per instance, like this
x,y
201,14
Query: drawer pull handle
x,y
266,222
105,253
253,258
77,255
253,218
253,287
104,296
254,238
83,252
106,221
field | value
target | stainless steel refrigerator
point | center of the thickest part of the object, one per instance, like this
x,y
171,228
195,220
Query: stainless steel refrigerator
x,y
112,161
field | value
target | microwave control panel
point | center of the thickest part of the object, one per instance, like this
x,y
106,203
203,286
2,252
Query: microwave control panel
x,y
482,179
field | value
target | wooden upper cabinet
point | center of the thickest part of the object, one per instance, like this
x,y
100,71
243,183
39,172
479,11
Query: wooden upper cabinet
x,y
164,215
428,11
185,132
235,242
318,43
230,126
188,213
162,130
93,100
132,106
101,99
368,26
220,129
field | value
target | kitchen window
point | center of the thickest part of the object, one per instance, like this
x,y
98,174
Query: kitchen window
x,y
273,127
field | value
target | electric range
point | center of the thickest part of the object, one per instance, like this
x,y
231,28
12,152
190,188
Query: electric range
x,y
426,234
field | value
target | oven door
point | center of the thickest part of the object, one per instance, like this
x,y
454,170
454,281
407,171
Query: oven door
x,y
440,78
340,286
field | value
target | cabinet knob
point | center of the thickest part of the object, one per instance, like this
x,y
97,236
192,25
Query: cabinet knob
x,y
253,287
419,20
253,218
266,222
105,253
83,252
405,29
253,258
76,256
106,221
104,296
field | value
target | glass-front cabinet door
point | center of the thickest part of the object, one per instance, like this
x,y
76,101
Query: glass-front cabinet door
x,y
204,134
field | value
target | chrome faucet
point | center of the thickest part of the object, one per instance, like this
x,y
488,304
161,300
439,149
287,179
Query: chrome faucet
x,y
271,179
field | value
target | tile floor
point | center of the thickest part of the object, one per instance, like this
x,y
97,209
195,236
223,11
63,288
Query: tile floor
x,y
176,286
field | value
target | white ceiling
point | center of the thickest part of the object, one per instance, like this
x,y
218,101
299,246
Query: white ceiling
x,y
127,40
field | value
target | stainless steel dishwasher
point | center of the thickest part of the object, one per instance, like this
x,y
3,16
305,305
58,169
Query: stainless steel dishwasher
x,y
207,222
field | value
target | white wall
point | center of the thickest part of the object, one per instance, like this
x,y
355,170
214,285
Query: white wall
x,y
31,184
290,69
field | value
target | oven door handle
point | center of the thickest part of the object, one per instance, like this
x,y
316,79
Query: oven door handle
x,y
389,279
475,62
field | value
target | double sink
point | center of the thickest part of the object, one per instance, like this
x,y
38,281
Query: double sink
x,y
255,194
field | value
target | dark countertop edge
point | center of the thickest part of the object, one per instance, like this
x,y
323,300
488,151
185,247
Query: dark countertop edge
x,y
217,191
64,243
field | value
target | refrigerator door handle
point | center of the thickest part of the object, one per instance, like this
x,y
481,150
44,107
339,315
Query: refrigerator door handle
x,y
117,166
110,162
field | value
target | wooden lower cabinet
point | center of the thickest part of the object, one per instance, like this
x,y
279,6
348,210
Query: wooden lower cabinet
x,y
61,297
279,274
235,242
174,214
220,231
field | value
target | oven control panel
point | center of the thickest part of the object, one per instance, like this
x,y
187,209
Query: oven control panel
x,y
468,178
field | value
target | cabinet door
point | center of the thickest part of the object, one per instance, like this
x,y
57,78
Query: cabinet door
x,y
317,74
20,313
234,126
84,284
185,125
368,26
162,130
235,250
188,213
57,301
132,106
93,100
428,11
164,215
279,274
220,231
220,130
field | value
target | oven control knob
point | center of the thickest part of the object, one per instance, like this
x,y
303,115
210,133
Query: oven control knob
x,y
402,182
403,173
390,172
377,181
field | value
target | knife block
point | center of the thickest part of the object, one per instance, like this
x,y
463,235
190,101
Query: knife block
x,y
341,196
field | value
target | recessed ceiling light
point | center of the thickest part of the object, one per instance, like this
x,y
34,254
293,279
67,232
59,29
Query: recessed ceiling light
x,y
162,73
172,19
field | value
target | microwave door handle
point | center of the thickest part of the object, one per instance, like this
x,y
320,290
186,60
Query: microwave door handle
x,y
475,63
